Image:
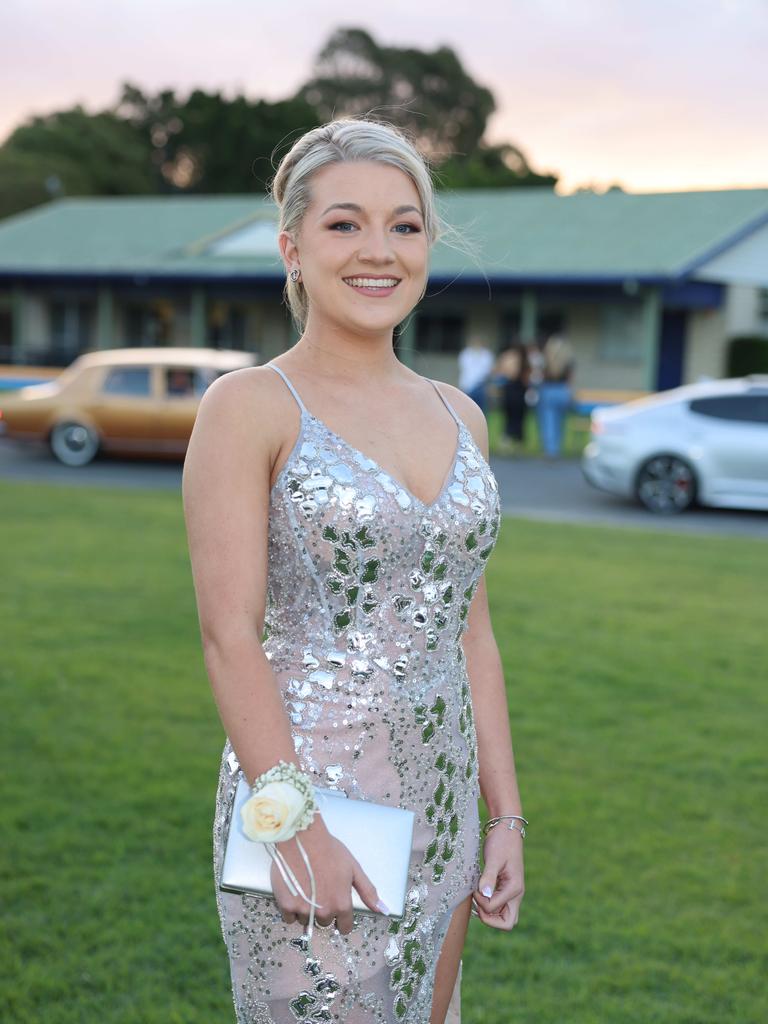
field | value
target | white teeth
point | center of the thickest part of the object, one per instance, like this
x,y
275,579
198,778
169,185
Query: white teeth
x,y
370,282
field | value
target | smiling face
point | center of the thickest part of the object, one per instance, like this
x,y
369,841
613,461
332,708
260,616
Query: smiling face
x,y
361,247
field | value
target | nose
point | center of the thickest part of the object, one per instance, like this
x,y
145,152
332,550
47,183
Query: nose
x,y
376,247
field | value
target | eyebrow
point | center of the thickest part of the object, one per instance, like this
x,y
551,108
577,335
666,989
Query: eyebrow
x,y
358,209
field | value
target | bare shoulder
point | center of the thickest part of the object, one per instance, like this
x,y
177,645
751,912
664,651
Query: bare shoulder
x,y
251,389
244,399
469,411
241,419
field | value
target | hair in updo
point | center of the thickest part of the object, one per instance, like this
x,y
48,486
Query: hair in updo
x,y
344,140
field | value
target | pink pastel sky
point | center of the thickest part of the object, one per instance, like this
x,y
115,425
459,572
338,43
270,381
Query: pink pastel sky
x,y
658,95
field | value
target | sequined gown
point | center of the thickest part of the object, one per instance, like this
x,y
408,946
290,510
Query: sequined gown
x,y
367,599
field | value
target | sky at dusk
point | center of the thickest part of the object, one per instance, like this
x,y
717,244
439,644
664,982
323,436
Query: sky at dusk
x,y
658,95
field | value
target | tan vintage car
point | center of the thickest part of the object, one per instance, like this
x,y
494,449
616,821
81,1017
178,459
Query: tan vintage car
x,y
126,401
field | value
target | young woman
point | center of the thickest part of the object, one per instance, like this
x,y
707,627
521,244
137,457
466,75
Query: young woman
x,y
555,393
343,504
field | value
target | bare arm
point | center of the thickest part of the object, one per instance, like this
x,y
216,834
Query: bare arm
x,y
225,489
502,849
498,780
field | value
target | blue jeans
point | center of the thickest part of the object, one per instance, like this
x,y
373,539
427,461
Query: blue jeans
x,y
551,408
477,394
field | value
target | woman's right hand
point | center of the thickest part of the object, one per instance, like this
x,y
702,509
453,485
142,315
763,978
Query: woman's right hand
x,y
336,873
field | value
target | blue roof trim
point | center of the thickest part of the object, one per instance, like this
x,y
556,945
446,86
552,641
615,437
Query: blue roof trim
x,y
724,244
693,295
681,293
552,279
269,276
138,277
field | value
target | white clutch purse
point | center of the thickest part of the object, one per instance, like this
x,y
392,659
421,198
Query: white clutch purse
x,y
379,836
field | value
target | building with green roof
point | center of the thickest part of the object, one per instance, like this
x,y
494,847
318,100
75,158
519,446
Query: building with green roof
x,y
649,288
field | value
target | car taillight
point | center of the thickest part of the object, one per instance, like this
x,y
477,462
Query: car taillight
x,y
607,427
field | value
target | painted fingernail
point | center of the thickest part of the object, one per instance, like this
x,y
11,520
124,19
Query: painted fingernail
x,y
487,891
382,906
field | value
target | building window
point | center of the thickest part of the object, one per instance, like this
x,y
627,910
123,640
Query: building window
x,y
226,325
762,304
510,327
439,333
6,335
549,321
149,323
71,329
621,333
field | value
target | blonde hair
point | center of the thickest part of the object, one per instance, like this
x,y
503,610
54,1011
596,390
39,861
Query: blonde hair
x,y
345,140
558,354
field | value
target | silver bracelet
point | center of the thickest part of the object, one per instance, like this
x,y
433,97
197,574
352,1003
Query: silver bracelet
x,y
512,825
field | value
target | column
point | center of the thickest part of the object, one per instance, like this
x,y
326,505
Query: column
x,y
105,318
19,320
198,332
651,319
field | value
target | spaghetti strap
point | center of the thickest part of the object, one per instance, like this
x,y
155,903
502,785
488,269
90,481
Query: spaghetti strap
x,y
291,388
446,403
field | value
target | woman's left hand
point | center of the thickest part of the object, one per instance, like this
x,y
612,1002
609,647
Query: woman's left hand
x,y
503,876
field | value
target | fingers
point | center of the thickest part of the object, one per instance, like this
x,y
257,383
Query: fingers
x,y
337,905
507,891
367,889
345,920
290,907
498,895
505,919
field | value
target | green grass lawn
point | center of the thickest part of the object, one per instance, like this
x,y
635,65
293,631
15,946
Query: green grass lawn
x,y
636,668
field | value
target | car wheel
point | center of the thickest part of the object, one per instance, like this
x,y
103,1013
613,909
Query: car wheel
x,y
73,443
666,484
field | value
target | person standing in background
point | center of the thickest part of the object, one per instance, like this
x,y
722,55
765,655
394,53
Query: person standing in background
x,y
475,366
512,371
555,396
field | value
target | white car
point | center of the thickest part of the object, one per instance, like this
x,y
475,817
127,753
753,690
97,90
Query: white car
x,y
705,442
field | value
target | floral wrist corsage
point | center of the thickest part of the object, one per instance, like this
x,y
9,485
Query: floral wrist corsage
x,y
282,803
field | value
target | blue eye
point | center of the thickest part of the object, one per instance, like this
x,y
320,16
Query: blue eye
x,y
342,224
412,229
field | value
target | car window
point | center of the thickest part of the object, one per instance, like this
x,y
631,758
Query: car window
x,y
187,381
738,408
128,380
204,377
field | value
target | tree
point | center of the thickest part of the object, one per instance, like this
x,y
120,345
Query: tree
x,y
71,152
429,94
503,166
28,179
207,143
204,142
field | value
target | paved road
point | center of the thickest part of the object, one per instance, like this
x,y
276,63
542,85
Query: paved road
x,y
530,488
557,491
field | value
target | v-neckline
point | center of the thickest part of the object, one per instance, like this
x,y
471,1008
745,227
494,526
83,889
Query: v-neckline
x,y
426,505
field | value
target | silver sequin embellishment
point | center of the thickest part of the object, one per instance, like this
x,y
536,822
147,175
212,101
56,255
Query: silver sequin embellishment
x,y
368,595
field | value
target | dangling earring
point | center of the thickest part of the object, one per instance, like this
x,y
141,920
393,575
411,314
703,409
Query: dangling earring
x,y
295,274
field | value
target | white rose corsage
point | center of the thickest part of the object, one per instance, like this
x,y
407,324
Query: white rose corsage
x,y
282,803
